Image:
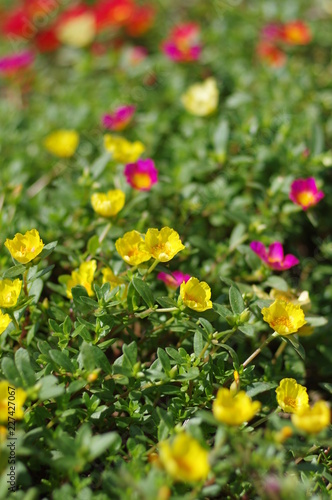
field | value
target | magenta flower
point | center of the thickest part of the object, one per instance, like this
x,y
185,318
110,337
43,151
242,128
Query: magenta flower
x,y
272,32
173,280
120,118
183,44
304,192
142,174
15,62
274,257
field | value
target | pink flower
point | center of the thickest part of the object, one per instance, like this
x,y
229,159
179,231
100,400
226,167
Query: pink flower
x,y
274,257
173,280
120,118
15,62
304,192
142,174
183,44
272,32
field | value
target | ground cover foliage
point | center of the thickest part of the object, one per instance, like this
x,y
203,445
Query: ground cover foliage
x,y
127,379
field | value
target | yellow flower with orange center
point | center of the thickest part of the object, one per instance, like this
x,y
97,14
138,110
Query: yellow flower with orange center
x,y
284,317
9,292
291,396
62,143
184,458
132,249
163,245
201,99
84,277
5,319
7,390
123,150
25,247
313,420
234,409
108,204
196,294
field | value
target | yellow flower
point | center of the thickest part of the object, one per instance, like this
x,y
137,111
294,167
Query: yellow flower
x,y
291,396
313,420
123,150
62,143
234,409
9,292
184,459
284,317
78,31
108,204
132,249
84,276
5,319
284,434
301,299
196,294
25,247
163,245
16,396
201,99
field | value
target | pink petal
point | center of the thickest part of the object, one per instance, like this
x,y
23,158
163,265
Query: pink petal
x,y
289,261
259,249
276,252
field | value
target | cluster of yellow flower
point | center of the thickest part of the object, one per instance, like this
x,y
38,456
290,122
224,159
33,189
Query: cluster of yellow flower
x,y
293,398
23,248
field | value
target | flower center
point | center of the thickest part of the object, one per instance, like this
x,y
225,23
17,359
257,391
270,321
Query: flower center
x,y
290,402
282,321
141,181
306,198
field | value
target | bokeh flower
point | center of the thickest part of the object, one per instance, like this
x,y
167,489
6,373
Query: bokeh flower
x,y
196,295
234,409
174,279
291,396
123,150
141,20
11,63
62,143
274,256
163,245
7,389
183,44
9,292
296,33
76,27
313,420
84,277
131,248
304,192
271,54
5,319
284,317
108,204
120,118
25,247
201,99
142,174
184,458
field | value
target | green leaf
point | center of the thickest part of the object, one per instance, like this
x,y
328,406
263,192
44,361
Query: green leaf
x,y
23,365
293,341
173,353
92,357
61,360
130,353
222,310
220,137
93,245
10,371
237,237
99,444
259,387
164,359
47,250
236,300
191,374
277,282
144,291
49,388
198,343
14,271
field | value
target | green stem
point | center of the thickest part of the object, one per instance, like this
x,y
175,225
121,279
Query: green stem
x,y
151,268
25,282
14,320
255,353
